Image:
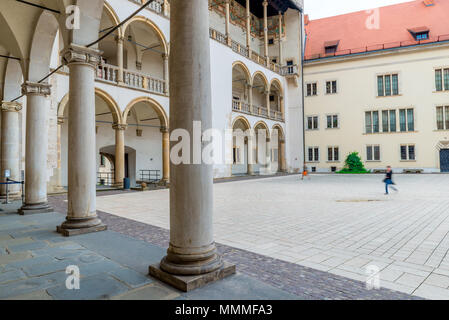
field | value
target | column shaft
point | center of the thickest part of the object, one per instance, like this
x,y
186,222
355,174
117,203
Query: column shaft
x,y
119,167
165,155
36,148
166,72
228,16
120,59
81,214
192,249
10,147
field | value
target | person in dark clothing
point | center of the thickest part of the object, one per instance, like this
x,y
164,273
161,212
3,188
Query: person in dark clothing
x,y
389,180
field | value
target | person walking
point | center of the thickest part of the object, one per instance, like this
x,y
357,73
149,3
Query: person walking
x,y
305,173
389,180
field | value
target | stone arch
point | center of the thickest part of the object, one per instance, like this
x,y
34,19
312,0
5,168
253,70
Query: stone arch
x,y
114,108
261,75
277,82
242,119
280,130
153,26
281,164
244,68
154,104
262,124
114,17
42,45
13,80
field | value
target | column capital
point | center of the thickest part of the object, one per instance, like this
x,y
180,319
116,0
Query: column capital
x,y
11,106
120,39
41,89
265,3
80,54
119,126
165,56
61,120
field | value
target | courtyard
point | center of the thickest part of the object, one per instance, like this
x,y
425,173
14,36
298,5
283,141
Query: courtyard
x,y
339,224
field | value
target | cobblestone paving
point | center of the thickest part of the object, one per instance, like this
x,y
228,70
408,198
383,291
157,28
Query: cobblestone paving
x,y
332,223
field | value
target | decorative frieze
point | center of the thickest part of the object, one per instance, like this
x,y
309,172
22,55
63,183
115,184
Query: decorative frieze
x,y
43,89
11,106
80,54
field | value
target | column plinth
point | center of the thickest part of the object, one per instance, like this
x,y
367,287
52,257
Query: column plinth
x,y
81,215
192,259
36,148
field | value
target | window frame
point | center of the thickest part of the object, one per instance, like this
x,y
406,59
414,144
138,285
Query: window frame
x,y
333,149
444,84
407,152
315,151
311,89
331,86
307,123
390,76
373,153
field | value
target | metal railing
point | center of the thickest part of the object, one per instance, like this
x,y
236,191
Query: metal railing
x,y
150,176
378,47
105,178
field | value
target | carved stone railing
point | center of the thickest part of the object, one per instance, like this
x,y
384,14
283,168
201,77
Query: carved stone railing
x,y
156,6
290,70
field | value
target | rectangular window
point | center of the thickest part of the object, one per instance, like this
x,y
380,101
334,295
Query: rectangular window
x,y
402,120
442,118
439,80
376,153
332,121
312,123
446,79
392,120
312,89
332,154
375,121
388,85
368,122
373,153
446,116
385,126
313,154
410,120
369,153
408,152
380,86
336,154
331,87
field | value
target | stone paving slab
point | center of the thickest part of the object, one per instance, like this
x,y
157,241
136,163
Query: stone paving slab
x,y
336,219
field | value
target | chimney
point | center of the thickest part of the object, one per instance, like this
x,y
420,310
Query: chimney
x,y
306,19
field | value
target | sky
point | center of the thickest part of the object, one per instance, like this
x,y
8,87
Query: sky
x,y
317,9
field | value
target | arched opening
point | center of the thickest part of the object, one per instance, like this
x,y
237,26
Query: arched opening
x,y
260,94
263,154
107,114
109,45
276,100
147,124
241,148
241,88
278,149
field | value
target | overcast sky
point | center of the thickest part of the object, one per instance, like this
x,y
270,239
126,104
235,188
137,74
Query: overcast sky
x,y
317,9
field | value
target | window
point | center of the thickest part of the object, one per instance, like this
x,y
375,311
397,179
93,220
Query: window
x,y
443,118
331,49
314,154
332,121
422,36
373,153
312,123
388,85
372,121
408,153
392,120
406,120
333,154
442,79
271,41
331,87
102,160
312,89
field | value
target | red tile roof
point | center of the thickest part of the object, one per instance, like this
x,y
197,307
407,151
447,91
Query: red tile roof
x,y
395,23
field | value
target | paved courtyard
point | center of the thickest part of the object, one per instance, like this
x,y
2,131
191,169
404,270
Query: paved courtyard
x,y
338,224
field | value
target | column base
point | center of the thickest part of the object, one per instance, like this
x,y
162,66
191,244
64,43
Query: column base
x,y
35,208
189,283
74,227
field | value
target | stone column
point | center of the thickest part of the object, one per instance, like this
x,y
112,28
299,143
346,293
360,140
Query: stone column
x,y
248,28
267,95
281,56
281,157
165,156
268,159
36,148
250,98
192,259
251,150
265,29
120,59
227,21
119,167
81,214
166,8
10,148
166,73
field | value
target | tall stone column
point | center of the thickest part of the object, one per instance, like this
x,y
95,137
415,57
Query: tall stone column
x,y
265,29
281,56
36,148
165,155
192,259
268,157
119,167
250,96
248,28
81,214
227,22
251,150
166,73
267,96
120,41
10,147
